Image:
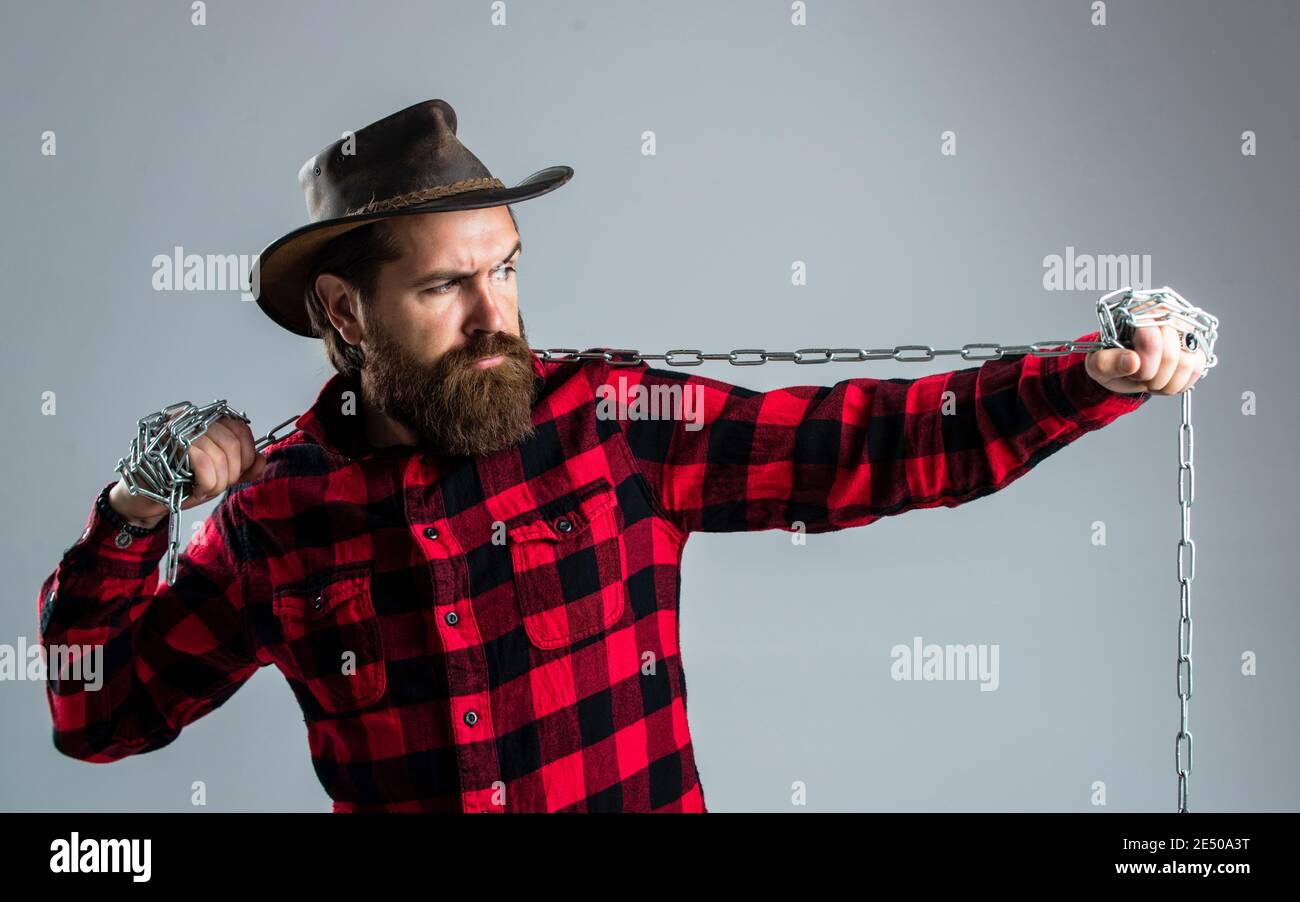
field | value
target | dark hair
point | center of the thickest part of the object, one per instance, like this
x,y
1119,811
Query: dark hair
x,y
357,256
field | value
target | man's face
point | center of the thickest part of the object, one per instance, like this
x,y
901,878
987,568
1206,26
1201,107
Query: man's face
x,y
446,354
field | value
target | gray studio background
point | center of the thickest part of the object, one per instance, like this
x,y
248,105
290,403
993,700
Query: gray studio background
x,y
775,143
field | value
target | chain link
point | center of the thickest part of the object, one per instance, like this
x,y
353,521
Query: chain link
x,y
157,465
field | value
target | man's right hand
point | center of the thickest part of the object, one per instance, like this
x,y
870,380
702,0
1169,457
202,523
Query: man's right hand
x,y
220,458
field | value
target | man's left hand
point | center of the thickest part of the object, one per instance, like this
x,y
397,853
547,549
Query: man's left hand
x,y
1159,363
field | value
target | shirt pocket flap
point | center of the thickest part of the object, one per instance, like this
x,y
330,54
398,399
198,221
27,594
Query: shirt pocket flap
x,y
315,599
565,519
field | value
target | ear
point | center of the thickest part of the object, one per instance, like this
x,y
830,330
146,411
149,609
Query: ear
x,y
339,299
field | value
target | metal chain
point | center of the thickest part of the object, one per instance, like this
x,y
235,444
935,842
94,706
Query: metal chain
x,y
272,437
157,465
1120,313
902,353
1186,494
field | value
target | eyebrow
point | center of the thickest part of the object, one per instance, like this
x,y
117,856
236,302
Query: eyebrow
x,y
442,275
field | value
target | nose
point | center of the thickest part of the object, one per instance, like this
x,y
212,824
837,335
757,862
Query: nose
x,y
486,310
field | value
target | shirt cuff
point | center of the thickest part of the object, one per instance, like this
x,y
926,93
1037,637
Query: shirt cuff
x,y
1094,403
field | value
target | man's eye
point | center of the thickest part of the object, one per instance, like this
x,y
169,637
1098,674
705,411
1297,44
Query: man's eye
x,y
502,272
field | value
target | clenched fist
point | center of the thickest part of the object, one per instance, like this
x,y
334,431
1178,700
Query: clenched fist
x,y
220,458
1159,363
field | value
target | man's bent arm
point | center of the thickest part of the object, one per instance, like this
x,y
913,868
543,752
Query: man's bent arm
x,y
168,654
843,455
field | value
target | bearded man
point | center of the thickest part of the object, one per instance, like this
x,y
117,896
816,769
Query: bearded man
x,y
466,573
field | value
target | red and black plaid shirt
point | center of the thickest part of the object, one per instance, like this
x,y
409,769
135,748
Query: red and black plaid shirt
x,y
501,633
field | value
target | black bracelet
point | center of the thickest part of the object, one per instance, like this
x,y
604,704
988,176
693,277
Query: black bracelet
x,y
106,510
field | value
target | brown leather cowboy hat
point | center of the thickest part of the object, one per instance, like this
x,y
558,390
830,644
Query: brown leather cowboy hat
x,y
409,162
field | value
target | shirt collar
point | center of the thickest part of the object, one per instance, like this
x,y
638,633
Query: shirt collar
x,y
326,423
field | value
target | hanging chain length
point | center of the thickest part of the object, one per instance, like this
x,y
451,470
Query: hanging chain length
x,y
1186,494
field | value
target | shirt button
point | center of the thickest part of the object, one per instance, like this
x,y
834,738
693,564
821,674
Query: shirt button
x,y
452,618
471,718
430,532
123,539
563,525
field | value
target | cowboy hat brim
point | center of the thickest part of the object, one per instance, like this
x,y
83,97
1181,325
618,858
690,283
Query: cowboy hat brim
x,y
281,269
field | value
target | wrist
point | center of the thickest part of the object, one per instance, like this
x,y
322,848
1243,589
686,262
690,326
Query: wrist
x,y
130,510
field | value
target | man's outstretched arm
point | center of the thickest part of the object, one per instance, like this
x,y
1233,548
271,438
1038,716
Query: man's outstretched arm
x,y
843,455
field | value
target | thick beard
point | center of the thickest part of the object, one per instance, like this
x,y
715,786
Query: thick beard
x,y
452,407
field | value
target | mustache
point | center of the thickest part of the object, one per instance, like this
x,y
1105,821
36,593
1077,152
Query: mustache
x,y
496,343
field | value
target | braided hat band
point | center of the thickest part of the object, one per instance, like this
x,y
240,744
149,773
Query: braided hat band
x,y
412,198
